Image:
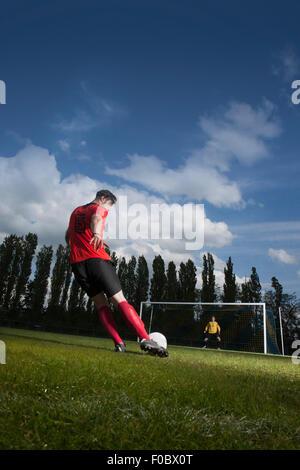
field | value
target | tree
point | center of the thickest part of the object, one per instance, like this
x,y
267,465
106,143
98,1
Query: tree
x,y
290,314
208,291
158,280
251,289
40,283
29,247
246,294
142,282
74,296
255,286
122,274
14,272
92,315
90,307
130,282
187,281
76,306
278,293
204,274
28,296
82,299
211,278
182,285
56,314
114,259
7,249
172,284
229,286
68,276
58,278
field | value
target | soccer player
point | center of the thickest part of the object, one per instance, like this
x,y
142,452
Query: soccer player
x,y
96,274
212,331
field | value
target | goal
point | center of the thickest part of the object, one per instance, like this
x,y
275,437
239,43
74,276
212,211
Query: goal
x,y
248,327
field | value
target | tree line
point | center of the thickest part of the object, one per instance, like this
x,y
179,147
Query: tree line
x,y
38,289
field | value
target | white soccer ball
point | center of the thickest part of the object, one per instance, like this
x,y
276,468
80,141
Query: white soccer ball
x,y
160,339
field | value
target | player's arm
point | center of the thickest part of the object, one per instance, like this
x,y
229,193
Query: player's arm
x,y
206,328
67,236
219,329
96,225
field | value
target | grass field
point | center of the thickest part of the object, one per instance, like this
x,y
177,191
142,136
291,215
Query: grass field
x,y
71,392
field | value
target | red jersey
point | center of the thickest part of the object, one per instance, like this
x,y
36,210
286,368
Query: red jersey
x,y
80,233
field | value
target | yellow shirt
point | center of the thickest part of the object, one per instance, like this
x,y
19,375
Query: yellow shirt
x,y
213,327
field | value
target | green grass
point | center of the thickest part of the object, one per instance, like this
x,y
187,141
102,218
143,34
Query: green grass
x,y
71,392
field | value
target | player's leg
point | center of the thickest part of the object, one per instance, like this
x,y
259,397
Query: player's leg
x,y
205,341
210,337
110,281
133,320
108,321
87,275
129,315
112,288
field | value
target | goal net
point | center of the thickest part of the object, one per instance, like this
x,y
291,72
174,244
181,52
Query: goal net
x,y
244,327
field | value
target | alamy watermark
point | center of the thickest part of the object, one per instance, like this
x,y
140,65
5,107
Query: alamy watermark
x,y
296,354
296,94
2,352
157,222
2,92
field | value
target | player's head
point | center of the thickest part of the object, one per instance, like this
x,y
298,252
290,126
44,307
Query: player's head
x,y
106,198
213,318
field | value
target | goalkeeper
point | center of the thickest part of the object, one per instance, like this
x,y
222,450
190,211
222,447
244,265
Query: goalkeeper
x,y
212,332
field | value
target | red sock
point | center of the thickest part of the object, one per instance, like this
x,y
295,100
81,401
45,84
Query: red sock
x,y
132,319
108,321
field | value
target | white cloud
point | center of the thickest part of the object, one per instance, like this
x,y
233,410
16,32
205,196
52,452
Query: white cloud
x,y
191,180
36,198
93,112
217,234
239,136
81,121
282,256
298,272
64,145
271,231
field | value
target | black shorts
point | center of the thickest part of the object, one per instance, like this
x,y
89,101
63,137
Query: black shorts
x,y
212,336
96,275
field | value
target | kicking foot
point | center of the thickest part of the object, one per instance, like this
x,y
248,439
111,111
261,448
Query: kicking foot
x,y
120,347
153,348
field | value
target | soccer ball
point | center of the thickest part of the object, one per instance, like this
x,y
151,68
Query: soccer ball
x,y
160,339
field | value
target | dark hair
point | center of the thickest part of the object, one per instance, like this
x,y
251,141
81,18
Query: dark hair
x,y
107,195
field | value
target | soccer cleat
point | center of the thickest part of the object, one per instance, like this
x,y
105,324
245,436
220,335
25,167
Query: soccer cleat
x,y
120,347
204,347
154,349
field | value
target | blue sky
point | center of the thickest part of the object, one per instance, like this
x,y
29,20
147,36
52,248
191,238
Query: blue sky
x,y
166,101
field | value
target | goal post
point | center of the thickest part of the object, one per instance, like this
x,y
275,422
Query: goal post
x,y
244,326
